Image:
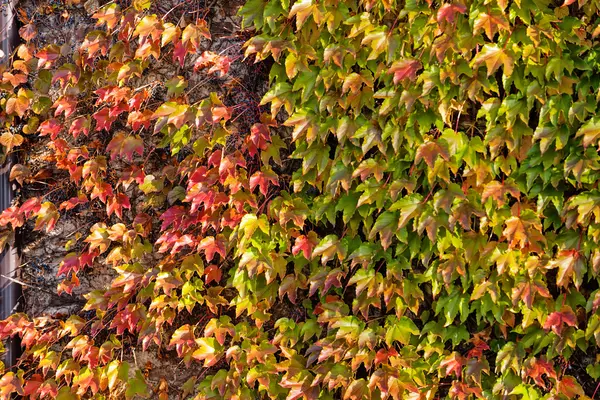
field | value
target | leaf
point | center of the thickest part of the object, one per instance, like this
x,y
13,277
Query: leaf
x,y
404,69
386,226
305,244
557,319
571,266
447,12
494,57
430,151
124,146
208,351
10,141
590,131
302,9
498,191
490,24
400,330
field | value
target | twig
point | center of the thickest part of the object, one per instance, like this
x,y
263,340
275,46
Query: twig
x,y
26,284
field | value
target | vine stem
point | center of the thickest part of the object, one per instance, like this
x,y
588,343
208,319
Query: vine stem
x,y
595,391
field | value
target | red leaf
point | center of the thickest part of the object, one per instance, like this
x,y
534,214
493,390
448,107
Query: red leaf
x,y
50,127
125,146
448,12
556,320
179,53
305,244
214,62
48,55
80,125
212,273
210,245
74,202
116,204
262,179
65,105
31,206
103,119
405,69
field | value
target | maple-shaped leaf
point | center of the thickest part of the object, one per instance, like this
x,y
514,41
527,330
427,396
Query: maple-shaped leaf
x,y
329,247
590,131
149,25
386,226
10,140
569,387
65,105
74,202
116,204
94,42
498,190
19,104
447,12
20,173
12,215
208,350
212,245
262,179
46,217
170,34
193,33
494,57
526,291
28,32
430,151
305,244
302,10
80,125
405,69
212,273
98,238
453,364
537,367
108,15
31,206
50,127
214,62
140,119
524,231
47,56
558,319
571,265
124,146
490,24
103,119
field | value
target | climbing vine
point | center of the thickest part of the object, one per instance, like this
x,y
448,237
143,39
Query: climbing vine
x,y
416,217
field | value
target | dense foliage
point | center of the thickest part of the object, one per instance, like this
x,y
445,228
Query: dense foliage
x,y
437,236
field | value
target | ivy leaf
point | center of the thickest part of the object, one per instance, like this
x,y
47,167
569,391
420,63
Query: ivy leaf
x,y
10,140
490,24
404,69
302,9
386,226
125,146
558,319
494,57
571,266
447,12
590,131
176,85
399,330
430,151
208,351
